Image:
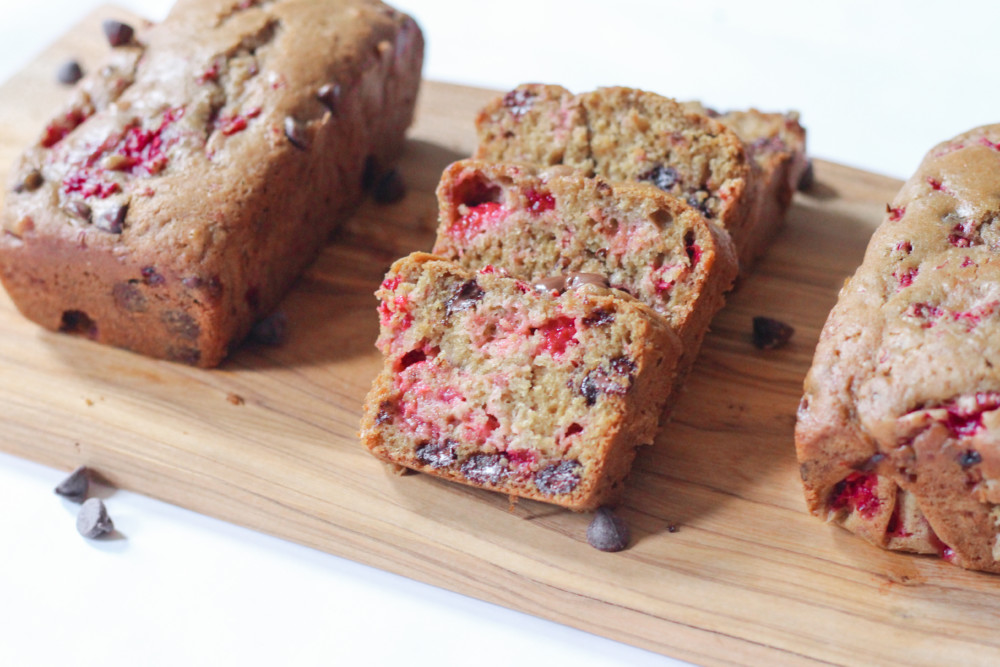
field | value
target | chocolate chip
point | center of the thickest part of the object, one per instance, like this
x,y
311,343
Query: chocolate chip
x,y
271,330
616,380
485,468
370,172
551,284
970,457
389,188
151,277
75,486
118,33
31,182
559,477
437,454
296,133
69,72
385,412
662,177
569,281
179,323
672,528
329,95
607,531
598,318
129,297
770,334
112,219
808,177
78,209
93,521
463,298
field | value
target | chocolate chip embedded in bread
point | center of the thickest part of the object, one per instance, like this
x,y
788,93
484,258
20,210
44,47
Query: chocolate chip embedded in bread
x,y
111,220
118,33
464,297
329,95
69,72
31,182
296,133
78,209
607,531
93,520
570,280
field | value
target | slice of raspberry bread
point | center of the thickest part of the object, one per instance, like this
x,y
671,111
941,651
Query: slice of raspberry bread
x,y
538,223
898,433
631,135
624,134
491,382
777,144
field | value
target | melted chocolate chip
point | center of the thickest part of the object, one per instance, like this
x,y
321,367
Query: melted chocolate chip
x,y
662,177
970,457
770,334
598,318
69,72
329,95
31,182
569,281
437,454
151,277
75,486
118,33
616,380
78,209
557,478
112,220
484,468
464,297
296,133
129,297
607,531
389,188
179,323
385,412
93,520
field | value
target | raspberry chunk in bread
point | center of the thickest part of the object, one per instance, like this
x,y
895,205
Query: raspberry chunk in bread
x,y
537,223
491,382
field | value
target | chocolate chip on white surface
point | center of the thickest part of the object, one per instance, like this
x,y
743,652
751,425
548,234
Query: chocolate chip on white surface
x,y
93,520
607,531
75,486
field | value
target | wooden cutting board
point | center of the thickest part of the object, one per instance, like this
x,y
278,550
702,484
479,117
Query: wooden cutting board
x,y
726,566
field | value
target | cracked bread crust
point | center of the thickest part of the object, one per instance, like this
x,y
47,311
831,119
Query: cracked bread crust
x,y
898,432
188,182
539,223
492,383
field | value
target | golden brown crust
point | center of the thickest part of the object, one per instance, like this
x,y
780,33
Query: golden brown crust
x,y
187,184
898,429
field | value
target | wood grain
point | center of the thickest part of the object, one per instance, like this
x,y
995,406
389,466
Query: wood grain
x,y
747,577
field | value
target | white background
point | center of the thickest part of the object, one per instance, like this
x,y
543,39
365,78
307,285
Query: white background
x,y
877,85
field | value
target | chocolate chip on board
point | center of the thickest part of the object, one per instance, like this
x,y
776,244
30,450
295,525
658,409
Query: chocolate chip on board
x,y
75,486
389,188
770,334
607,531
93,520
118,33
69,72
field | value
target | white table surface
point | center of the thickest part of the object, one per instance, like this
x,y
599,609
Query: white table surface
x,y
877,84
